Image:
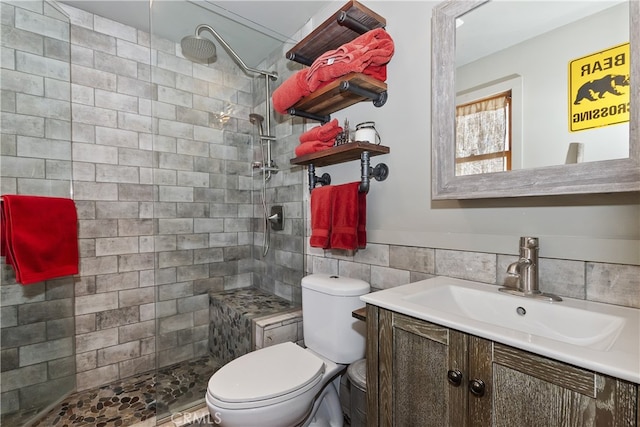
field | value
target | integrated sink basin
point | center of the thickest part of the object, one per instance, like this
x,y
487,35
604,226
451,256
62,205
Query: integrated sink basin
x,y
601,337
550,320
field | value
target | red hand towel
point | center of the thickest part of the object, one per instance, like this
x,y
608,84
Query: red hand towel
x,y
39,237
346,223
313,147
326,132
290,91
321,206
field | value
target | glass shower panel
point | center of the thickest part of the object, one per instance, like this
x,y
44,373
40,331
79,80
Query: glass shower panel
x,y
202,211
37,328
207,208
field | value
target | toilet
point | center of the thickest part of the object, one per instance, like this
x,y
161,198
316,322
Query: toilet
x,y
285,385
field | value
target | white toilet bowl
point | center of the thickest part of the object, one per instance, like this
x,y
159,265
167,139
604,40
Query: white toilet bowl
x,y
279,386
285,385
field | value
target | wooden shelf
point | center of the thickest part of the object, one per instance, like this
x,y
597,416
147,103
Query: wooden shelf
x,y
332,98
360,314
349,22
331,34
340,154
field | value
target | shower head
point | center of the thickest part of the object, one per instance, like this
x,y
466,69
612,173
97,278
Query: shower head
x,y
257,119
198,48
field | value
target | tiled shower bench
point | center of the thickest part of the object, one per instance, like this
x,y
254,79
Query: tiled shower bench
x,y
245,319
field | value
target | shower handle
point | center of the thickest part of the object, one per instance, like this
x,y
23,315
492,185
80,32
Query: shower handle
x,y
276,218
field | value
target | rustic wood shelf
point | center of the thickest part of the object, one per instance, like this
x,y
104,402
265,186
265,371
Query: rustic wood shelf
x,y
333,97
360,314
332,34
349,22
340,154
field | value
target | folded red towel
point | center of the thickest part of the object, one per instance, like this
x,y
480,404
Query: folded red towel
x,y
313,147
373,48
321,206
290,91
378,72
347,221
39,237
325,132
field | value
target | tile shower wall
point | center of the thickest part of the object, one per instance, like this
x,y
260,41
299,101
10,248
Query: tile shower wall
x,y
387,266
162,182
37,325
161,163
282,269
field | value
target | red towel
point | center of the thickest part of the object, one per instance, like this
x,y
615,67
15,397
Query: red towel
x,y
327,132
348,224
313,147
321,207
371,49
362,220
290,91
39,237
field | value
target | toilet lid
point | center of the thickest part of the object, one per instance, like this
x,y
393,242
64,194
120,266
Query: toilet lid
x,y
267,373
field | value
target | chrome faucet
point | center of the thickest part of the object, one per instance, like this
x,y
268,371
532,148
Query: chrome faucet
x,y
524,272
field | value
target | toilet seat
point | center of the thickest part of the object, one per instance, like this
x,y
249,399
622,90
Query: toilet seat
x,y
266,377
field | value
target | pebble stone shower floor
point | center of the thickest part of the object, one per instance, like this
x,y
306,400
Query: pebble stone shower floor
x,y
130,401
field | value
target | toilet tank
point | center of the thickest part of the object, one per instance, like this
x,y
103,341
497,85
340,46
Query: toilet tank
x,y
329,328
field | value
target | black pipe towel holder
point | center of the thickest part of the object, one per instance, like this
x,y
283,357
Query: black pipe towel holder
x,y
380,172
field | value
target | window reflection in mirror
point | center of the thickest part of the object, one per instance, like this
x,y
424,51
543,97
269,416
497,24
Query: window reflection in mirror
x,y
483,135
503,39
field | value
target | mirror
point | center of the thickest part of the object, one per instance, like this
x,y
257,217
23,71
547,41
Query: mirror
x,y
619,172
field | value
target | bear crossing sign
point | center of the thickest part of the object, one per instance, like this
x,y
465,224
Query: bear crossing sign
x,y
599,89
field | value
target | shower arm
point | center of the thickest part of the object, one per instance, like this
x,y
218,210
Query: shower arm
x,y
234,55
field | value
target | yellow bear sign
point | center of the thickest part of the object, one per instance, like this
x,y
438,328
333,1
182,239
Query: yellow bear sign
x,y
599,89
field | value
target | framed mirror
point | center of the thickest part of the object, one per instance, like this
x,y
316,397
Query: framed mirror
x,y
618,172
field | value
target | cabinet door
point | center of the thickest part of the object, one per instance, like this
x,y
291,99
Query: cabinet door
x,y
414,361
531,390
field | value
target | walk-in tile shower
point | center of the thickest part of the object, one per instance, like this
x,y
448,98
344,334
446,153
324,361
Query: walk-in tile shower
x,y
156,151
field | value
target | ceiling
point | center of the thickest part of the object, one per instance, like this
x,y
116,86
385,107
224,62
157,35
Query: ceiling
x,y
500,24
253,28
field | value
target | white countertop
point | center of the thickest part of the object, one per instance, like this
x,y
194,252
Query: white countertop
x,y
620,358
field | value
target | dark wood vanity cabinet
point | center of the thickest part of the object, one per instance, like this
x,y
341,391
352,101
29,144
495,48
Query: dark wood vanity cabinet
x,y
429,375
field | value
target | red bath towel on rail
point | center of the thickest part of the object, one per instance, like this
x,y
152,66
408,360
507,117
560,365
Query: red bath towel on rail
x,y
39,237
321,206
348,217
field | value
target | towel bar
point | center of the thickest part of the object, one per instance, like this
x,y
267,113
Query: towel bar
x,y
380,172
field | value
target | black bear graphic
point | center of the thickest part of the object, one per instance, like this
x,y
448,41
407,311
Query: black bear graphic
x,y
601,86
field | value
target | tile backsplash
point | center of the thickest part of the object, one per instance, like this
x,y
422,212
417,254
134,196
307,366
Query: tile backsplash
x,y
386,266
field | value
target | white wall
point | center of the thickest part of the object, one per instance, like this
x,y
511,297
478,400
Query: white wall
x,y
543,64
602,228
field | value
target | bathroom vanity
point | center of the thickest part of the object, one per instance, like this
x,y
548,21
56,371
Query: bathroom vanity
x,y
427,373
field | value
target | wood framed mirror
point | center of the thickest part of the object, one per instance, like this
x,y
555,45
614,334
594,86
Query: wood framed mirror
x,y
599,176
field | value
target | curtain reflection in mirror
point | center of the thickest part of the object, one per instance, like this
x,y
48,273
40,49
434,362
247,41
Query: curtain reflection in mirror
x,y
483,135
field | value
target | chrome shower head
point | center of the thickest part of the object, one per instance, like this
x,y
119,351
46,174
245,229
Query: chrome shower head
x,y
257,119
199,49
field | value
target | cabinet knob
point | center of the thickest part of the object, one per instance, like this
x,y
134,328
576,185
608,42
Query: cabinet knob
x,y
477,387
454,377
